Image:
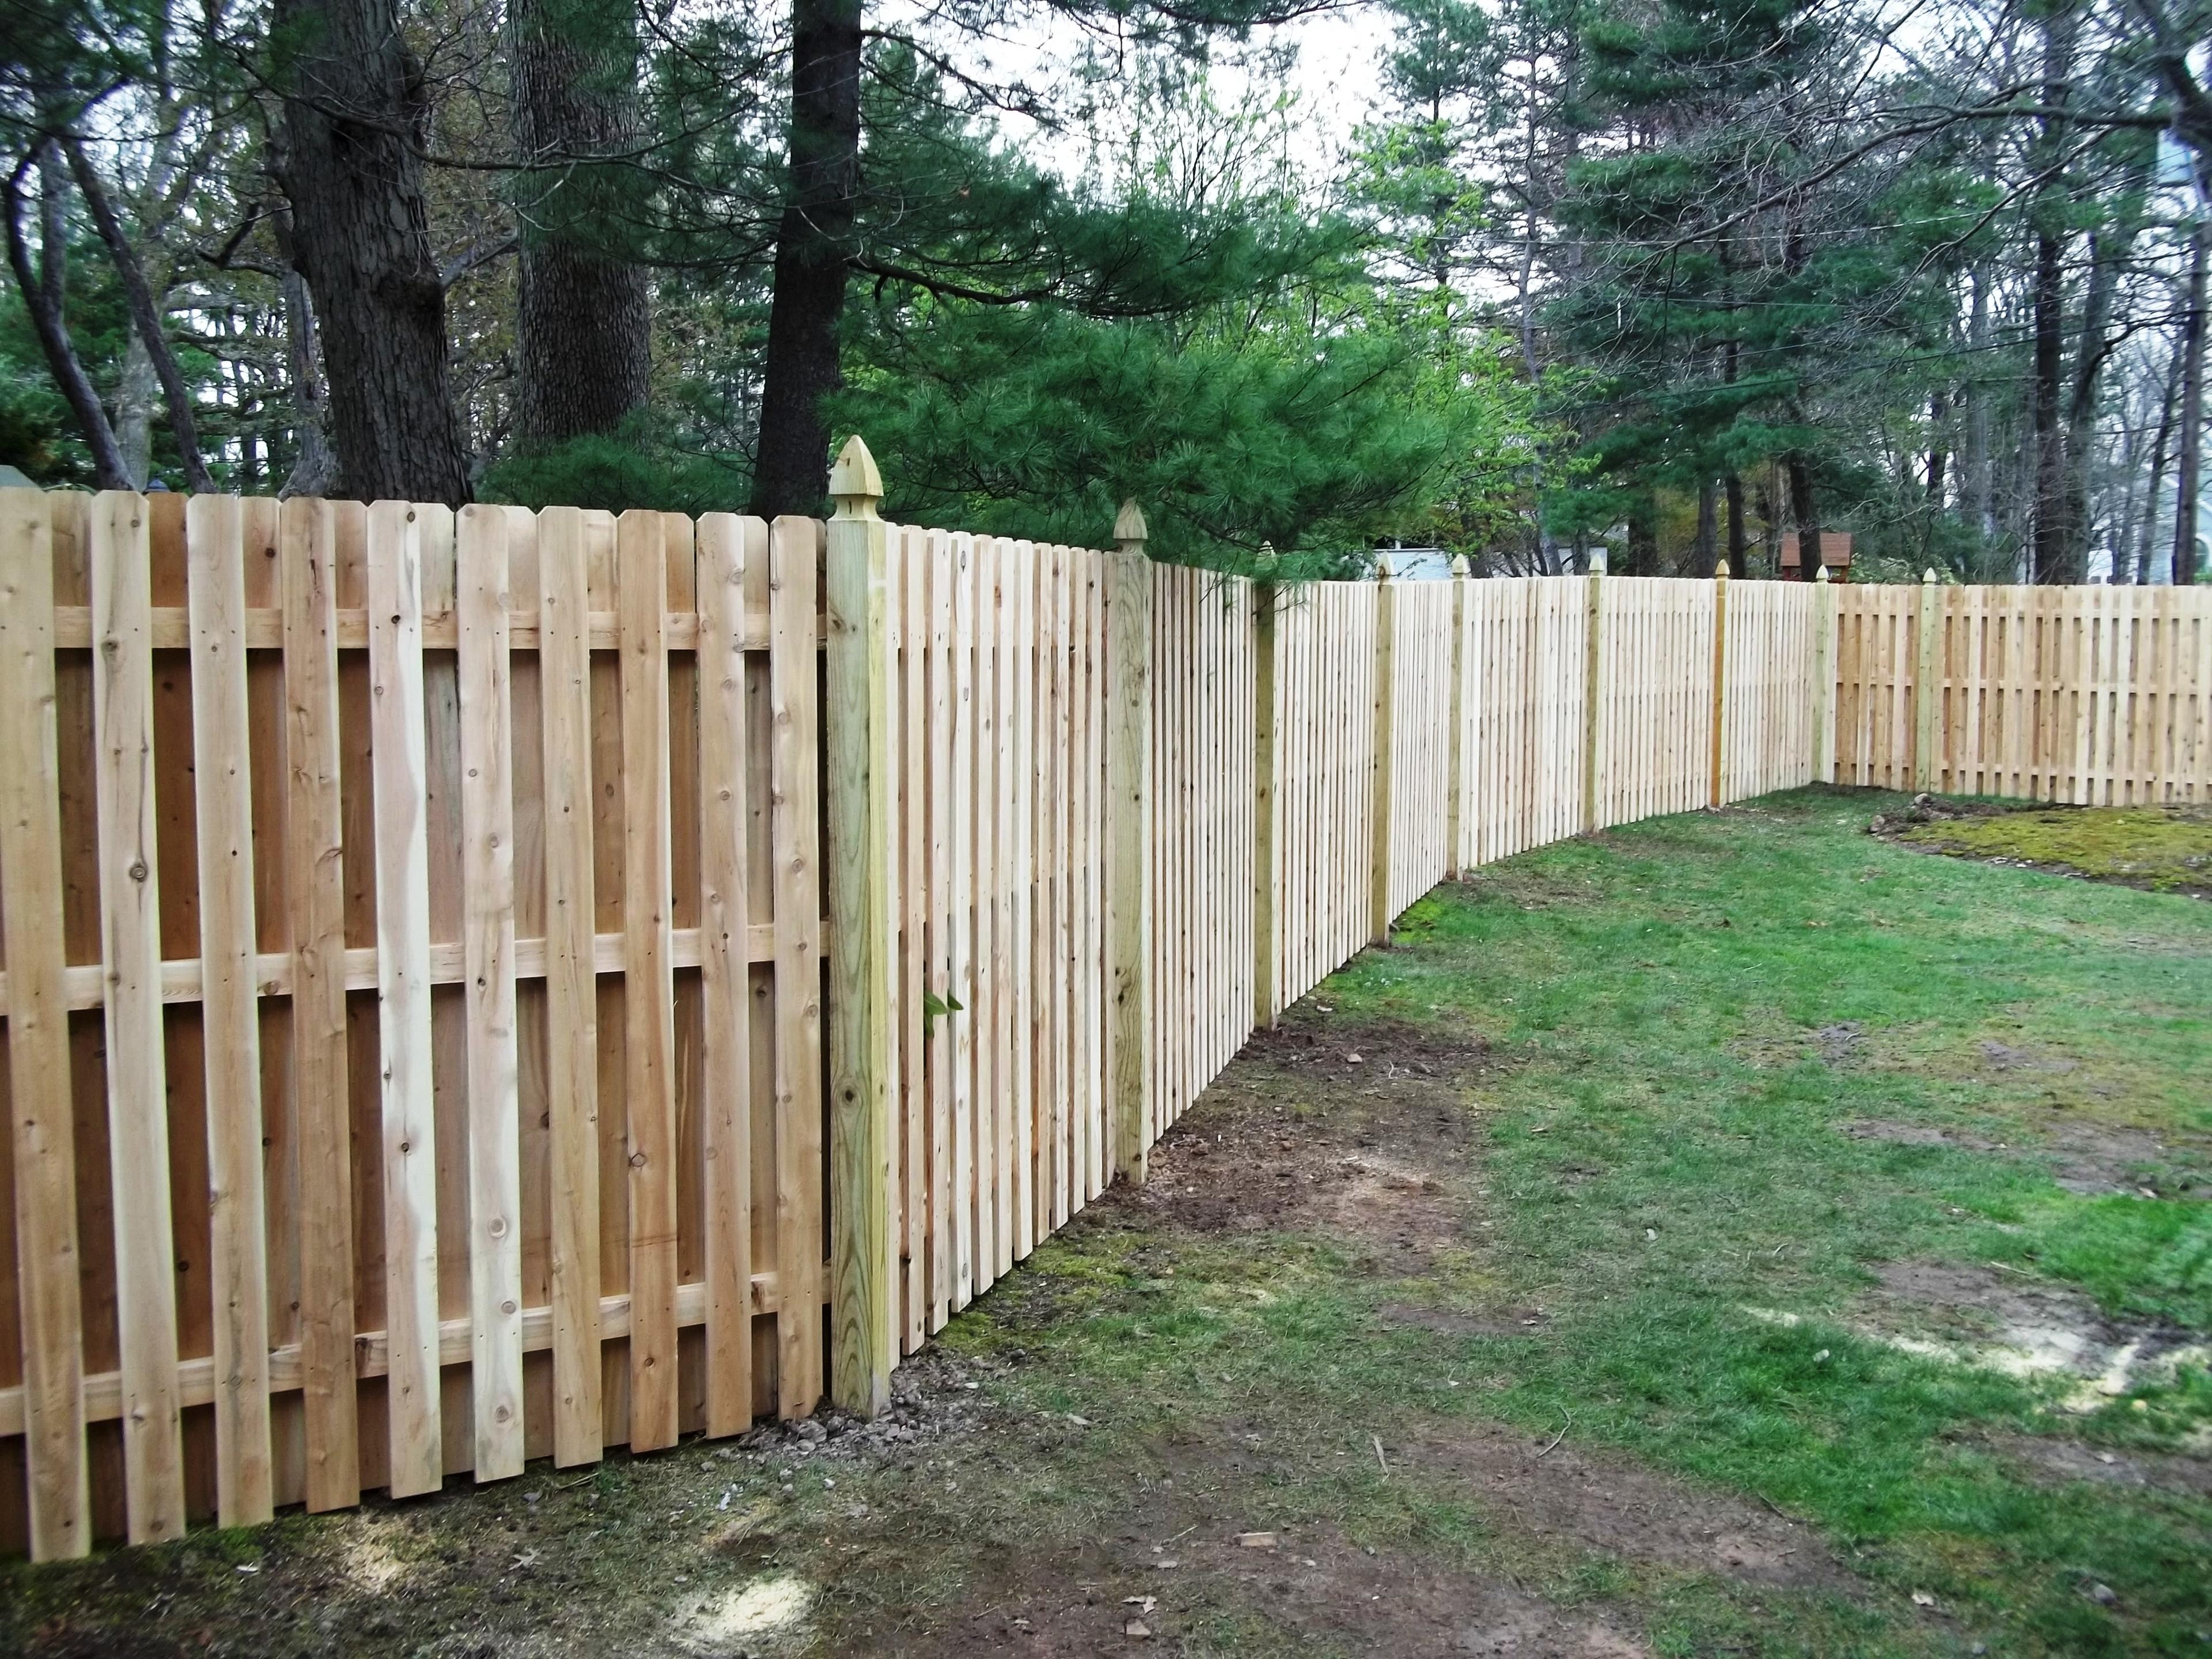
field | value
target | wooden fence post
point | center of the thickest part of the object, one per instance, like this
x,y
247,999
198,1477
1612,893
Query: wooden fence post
x,y
1824,679
1386,720
1593,704
1455,743
1129,832
1927,695
1720,673
1267,1003
863,1035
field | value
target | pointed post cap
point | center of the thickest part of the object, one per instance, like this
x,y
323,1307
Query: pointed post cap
x,y
1460,567
1929,574
1821,574
1265,560
855,484
1719,570
1129,531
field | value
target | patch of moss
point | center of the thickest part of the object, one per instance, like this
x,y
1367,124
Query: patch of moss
x,y
2165,849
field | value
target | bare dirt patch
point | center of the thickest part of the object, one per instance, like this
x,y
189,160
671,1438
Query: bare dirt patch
x,y
1175,1561
1313,1589
2096,1158
1358,1130
1840,1044
1895,1133
2005,1057
1612,1506
1455,1321
2054,1460
2023,1326
659,1558
2089,1158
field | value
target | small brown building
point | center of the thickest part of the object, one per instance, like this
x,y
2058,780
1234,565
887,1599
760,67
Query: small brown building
x,y
1835,553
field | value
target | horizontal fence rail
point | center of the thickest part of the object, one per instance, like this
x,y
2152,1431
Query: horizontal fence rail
x,y
487,985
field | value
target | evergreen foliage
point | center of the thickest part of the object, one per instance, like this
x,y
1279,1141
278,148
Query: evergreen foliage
x,y
1678,276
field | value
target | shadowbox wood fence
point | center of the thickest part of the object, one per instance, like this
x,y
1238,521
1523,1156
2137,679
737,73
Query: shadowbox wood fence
x,y
487,985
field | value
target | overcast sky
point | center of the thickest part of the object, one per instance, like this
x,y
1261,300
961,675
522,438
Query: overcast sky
x,y
1336,79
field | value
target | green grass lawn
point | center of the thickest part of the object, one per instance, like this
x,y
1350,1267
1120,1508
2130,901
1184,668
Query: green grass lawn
x,y
1730,1234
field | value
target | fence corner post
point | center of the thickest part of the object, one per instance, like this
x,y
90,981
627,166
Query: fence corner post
x,y
1266,1003
1927,695
863,1032
1386,722
1824,678
1593,702
1129,832
1455,740
1720,675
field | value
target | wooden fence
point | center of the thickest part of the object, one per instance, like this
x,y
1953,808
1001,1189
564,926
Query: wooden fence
x,y
413,996
1318,657
2093,696
996,894
434,1037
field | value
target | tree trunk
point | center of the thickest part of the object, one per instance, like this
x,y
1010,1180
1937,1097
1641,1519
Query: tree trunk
x,y
2140,512
1939,447
1978,482
2147,532
1642,538
135,390
813,249
1807,519
1739,542
354,111
1708,528
583,321
2053,534
146,320
314,466
45,290
2187,478
2109,255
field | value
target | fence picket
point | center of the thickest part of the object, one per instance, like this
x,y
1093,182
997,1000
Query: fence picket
x,y
414,1450
130,948
910,1161
963,912
648,981
494,1184
938,572
794,560
571,989
315,884
1016,1188
728,546
230,1023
